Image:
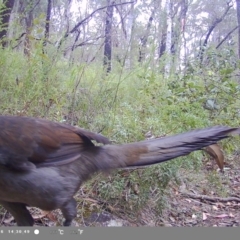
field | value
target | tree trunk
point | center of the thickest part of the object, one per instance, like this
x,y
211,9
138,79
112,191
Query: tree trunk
x,y
180,13
27,43
5,13
238,19
47,24
183,19
144,38
108,38
130,31
168,37
163,34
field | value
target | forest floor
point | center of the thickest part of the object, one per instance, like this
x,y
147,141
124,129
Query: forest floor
x,y
203,198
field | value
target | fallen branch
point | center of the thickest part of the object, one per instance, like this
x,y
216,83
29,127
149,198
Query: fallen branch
x,y
212,199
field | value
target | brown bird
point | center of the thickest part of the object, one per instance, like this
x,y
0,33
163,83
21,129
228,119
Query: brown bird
x,y
43,163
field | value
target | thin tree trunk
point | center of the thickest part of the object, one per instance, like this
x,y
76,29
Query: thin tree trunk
x,y
215,23
238,19
47,24
5,13
108,38
163,34
27,43
130,31
162,47
168,36
179,34
226,37
184,9
144,38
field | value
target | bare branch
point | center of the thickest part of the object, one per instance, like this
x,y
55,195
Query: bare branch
x,y
215,23
226,37
86,18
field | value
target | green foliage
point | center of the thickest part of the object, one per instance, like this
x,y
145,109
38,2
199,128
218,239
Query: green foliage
x,y
215,182
124,106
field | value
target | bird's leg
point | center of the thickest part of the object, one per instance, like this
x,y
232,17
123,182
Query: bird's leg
x,y
69,212
20,213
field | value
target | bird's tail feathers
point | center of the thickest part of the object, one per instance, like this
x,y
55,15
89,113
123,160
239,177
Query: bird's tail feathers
x,y
159,150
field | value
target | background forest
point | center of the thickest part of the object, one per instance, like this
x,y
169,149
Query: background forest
x,y
131,70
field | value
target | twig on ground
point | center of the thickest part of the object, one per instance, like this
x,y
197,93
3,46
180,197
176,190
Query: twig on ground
x,y
212,199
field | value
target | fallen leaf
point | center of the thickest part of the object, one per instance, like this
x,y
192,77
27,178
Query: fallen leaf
x,y
194,216
215,208
39,216
204,216
8,220
52,217
136,189
195,208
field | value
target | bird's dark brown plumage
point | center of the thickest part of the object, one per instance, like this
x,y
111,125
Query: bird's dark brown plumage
x,y
28,143
43,163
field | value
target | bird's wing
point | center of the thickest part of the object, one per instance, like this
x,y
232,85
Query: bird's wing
x,y
28,142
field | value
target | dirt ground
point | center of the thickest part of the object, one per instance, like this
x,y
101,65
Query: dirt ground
x,y
204,198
